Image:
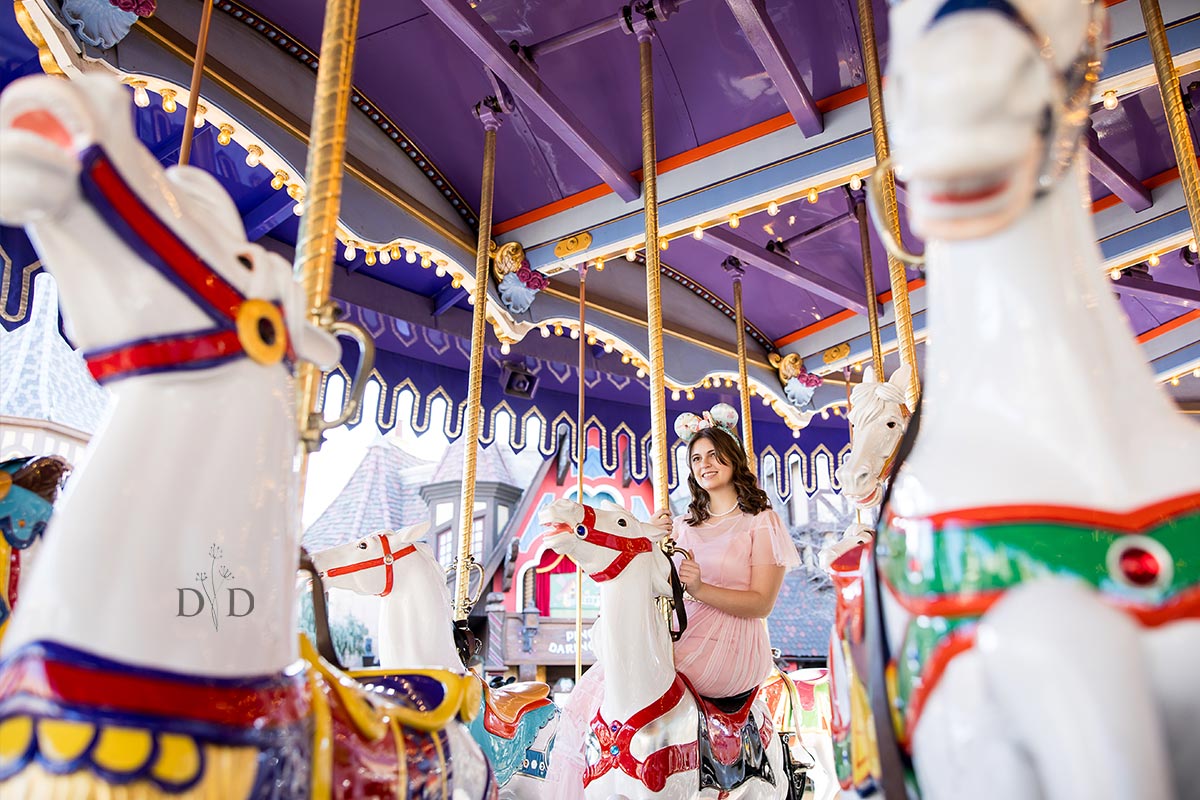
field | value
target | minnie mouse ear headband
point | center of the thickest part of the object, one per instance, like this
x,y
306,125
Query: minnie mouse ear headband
x,y
722,416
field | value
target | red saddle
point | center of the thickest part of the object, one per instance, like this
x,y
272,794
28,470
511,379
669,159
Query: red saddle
x,y
504,707
723,725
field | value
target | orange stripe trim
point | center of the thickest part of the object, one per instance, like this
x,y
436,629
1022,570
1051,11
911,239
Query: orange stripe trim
x,y
1168,326
841,316
1129,521
955,643
727,142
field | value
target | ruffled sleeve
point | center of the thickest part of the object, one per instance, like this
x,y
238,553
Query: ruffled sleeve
x,y
770,542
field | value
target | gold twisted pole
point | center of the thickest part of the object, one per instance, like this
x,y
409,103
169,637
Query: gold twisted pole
x,y
474,408
581,450
743,377
864,235
887,185
1177,121
654,323
189,119
326,160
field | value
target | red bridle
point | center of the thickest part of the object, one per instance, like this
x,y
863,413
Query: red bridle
x,y
627,548
386,560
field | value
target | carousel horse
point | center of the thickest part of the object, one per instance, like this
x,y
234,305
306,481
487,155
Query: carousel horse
x,y
515,723
1041,544
878,417
28,488
119,677
653,737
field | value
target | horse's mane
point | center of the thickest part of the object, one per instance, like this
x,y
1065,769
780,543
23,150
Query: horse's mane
x,y
869,400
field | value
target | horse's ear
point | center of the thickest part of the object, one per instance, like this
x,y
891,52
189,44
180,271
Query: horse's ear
x,y
609,505
901,376
868,374
413,532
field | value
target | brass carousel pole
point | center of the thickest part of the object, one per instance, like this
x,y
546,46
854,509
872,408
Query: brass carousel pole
x,y
734,268
1177,122
474,409
189,119
654,324
864,235
317,239
887,185
581,450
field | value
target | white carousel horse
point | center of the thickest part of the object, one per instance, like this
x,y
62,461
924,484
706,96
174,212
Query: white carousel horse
x,y
1040,549
644,741
105,680
879,417
515,723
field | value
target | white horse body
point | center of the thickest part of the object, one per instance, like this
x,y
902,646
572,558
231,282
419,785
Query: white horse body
x,y
1031,378
635,648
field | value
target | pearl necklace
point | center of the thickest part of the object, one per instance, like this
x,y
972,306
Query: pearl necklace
x,y
724,513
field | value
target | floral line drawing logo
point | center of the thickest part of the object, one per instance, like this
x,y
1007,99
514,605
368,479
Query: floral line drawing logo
x,y
211,583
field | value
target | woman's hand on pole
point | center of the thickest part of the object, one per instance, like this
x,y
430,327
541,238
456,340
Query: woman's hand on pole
x,y
689,576
662,521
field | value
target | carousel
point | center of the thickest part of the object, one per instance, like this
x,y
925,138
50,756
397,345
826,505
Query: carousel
x,y
588,231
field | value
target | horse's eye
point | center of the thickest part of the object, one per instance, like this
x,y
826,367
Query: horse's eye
x,y
245,261
891,423
581,531
622,523
362,545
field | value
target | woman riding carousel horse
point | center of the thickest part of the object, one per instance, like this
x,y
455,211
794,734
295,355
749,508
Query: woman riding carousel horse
x,y
741,551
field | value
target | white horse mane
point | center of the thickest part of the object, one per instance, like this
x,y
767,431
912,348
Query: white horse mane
x,y
870,399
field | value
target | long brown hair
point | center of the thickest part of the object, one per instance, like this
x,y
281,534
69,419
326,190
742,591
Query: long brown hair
x,y
751,499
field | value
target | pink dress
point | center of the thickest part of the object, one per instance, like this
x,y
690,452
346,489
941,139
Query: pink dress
x,y
722,655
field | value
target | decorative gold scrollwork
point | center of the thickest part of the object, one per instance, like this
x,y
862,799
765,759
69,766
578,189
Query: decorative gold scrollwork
x,y
573,244
789,366
836,353
506,258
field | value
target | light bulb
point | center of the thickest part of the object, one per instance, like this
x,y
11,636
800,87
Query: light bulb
x,y
456,282
557,330
837,412
574,333
734,220
795,433
351,251
295,191
766,401
470,299
599,265
253,155
1114,273
426,261
441,271
545,333
395,251
772,208
168,100
855,182
280,180
226,134
591,339
298,209
1196,372
608,347
201,110
1175,381
824,414
1192,247
370,259
813,196
663,243
141,98
641,373
625,358
631,254
505,349
385,257
410,255
675,395
728,383
1110,99
697,233
691,395
1153,260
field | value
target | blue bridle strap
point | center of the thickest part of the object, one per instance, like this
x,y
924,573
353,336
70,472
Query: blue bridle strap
x,y
1002,7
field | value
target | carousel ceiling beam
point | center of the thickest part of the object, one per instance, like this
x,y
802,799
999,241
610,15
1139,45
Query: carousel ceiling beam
x,y
447,299
1113,175
524,83
1158,292
270,214
783,268
764,38
824,227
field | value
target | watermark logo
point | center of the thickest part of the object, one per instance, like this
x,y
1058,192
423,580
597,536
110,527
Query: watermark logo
x,y
239,602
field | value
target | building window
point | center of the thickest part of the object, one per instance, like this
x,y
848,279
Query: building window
x,y
445,548
477,540
443,513
502,514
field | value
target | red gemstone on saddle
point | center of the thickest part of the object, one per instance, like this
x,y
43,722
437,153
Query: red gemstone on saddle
x,y
1140,567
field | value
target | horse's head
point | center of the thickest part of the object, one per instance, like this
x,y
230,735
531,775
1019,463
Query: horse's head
x,y
368,566
97,201
879,417
604,540
985,102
